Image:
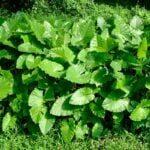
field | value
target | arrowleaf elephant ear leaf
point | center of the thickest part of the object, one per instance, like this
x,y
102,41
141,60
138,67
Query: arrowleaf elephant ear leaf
x,y
9,122
142,50
27,47
46,123
97,130
82,32
116,65
115,102
136,23
78,74
139,113
142,111
6,83
36,98
97,110
101,23
49,94
62,107
32,62
68,130
63,52
81,130
37,113
82,96
52,68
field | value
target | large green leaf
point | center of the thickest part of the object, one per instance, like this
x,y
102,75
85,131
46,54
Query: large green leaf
x,y
62,107
101,23
83,54
5,31
81,130
115,102
46,123
102,44
6,83
43,31
78,74
136,22
140,113
29,48
36,98
121,31
145,103
82,96
116,65
16,104
20,64
9,122
52,68
49,94
97,130
67,130
32,62
37,113
82,32
95,59
19,23
97,110
142,50
100,76
38,29
63,52
122,82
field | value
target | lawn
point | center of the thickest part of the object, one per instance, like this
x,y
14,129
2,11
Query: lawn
x,y
53,141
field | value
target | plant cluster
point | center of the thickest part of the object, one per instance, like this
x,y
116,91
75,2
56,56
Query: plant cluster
x,y
85,76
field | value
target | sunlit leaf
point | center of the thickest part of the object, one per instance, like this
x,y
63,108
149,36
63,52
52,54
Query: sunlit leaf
x,y
81,130
114,102
36,98
67,130
82,96
8,122
37,113
78,74
52,68
140,113
6,83
62,107
46,123
142,50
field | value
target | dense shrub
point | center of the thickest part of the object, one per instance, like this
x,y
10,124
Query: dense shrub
x,y
86,76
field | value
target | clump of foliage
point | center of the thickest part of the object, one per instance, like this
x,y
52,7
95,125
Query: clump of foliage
x,y
87,76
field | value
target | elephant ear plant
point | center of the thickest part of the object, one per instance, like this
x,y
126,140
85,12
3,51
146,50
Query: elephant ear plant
x,y
86,77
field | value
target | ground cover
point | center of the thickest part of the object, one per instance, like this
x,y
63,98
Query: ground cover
x,y
53,141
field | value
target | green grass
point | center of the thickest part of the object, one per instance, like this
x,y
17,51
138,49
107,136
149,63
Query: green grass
x,y
53,141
